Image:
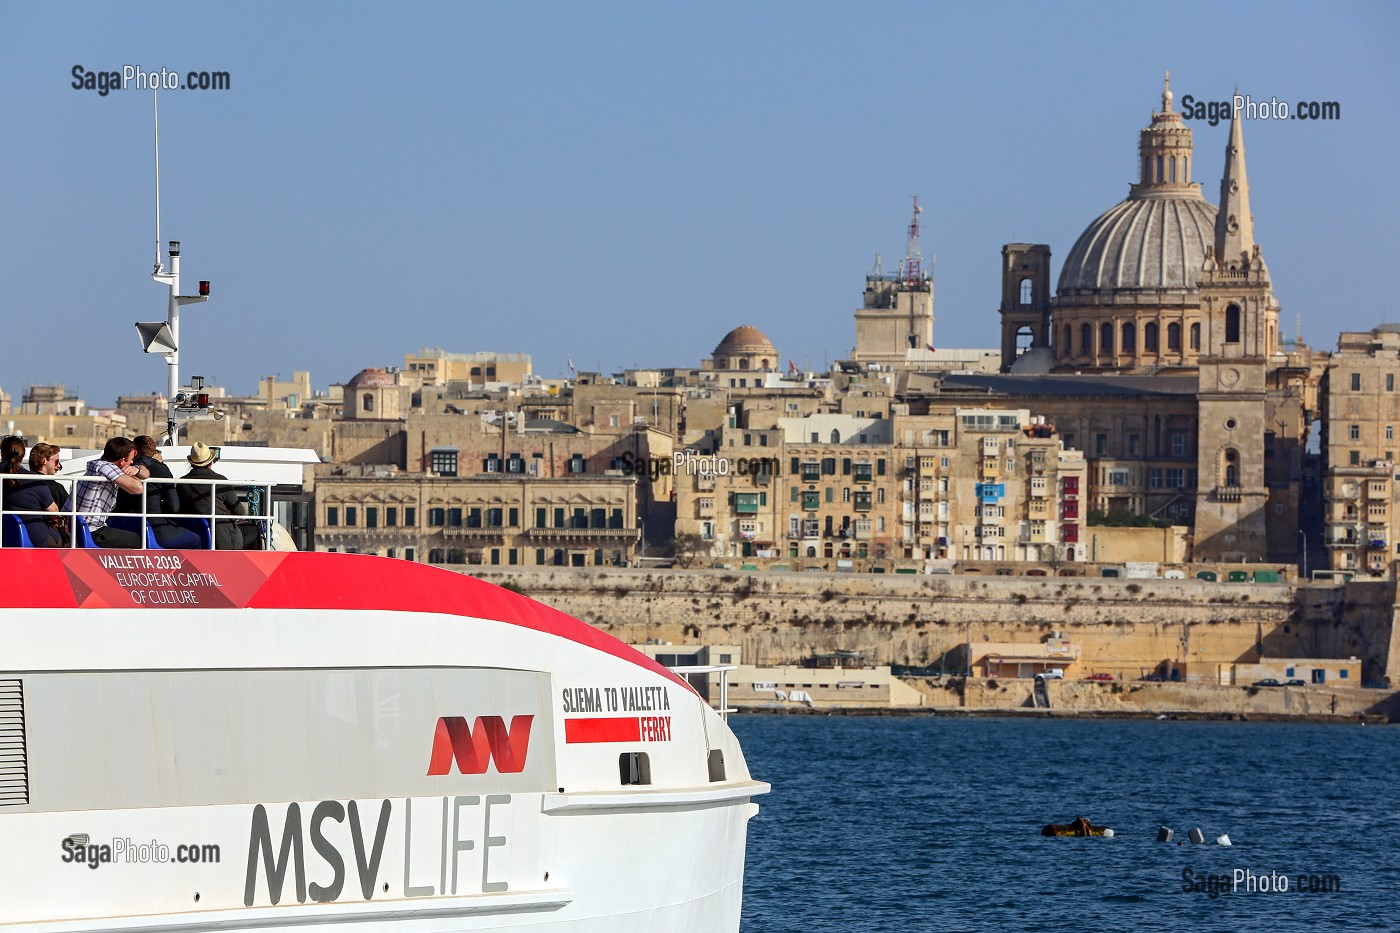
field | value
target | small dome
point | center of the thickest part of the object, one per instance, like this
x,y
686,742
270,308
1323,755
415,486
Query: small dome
x,y
742,340
371,379
1141,243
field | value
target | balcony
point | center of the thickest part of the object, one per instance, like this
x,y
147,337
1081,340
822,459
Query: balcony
x,y
705,482
559,534
462,531
1038,508
1228,493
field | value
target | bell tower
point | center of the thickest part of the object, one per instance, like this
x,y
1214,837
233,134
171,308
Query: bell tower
x,y
1240,318
1025,300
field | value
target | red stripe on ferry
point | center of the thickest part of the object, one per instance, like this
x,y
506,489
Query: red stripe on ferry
x,y
615,729
41,578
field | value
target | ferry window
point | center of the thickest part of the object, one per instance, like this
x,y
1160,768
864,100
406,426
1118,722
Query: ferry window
x,y
332,516
443,462
350,517
391,516
716,764
635,768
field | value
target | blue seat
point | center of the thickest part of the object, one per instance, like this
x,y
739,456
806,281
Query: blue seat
x,y
16,534
82,535
132,523
199,526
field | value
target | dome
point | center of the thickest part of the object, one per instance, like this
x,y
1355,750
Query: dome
x,y
743,340
1141,243
371,379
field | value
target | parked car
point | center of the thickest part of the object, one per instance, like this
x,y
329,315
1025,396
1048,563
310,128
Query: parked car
x,y
1267,682
1099,677
1054,674
1295,682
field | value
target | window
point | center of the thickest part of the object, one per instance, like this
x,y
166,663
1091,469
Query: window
x,y
1389,433
515,464
811,500
1389,387
1086,338
1195,336
1149,337
1232,324
1069,340
1178,445
350,517
1025,291
492,464
1174,336
1356,382
454,518
410,516
367,403
1106,338
391,516
443,461
1354,432
371,517
1129,337
577,463
332,516
436,519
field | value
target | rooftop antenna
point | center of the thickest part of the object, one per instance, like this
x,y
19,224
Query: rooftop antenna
x,y
913,259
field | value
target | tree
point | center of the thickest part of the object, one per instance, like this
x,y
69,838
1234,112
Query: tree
x,y
689,547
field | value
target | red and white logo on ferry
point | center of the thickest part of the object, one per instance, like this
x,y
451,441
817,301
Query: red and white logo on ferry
x,y
475,747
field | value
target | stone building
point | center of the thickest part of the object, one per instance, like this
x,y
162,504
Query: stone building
x,y
498,520
1362,411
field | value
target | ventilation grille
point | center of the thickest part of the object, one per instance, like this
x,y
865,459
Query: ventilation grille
x,y
14,762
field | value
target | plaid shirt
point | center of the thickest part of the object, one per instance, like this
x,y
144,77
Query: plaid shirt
x,y
99,497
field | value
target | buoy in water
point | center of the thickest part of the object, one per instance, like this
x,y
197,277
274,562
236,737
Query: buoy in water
x,y
1164,834
1223,840
1108,834
1196,836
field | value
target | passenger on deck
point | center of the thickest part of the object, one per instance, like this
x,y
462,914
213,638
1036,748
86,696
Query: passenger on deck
x,y
29,495
161,498
12,454
46,459
95,500
229,534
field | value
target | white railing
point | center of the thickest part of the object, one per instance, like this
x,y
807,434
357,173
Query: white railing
x,y
261,492
722,670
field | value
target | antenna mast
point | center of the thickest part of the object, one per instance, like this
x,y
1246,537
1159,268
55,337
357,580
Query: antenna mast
x,y
164,336
155,103
913,259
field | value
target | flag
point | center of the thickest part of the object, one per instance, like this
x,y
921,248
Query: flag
x,y
930,347
792,367
571,365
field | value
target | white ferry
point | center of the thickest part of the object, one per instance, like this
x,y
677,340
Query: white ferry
x,y
281,740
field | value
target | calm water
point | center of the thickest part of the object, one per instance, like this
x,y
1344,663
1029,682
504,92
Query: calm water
x,y
934,823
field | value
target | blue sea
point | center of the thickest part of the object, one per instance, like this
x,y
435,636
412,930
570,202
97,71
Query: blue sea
x,y
933,823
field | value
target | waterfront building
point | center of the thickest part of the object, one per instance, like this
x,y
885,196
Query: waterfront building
x,y
575,520
1362,411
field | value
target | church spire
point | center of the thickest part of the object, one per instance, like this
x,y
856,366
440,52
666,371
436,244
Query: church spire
x,y
1234,224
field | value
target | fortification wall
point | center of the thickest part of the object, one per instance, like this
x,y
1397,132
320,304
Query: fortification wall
x,y
1127,627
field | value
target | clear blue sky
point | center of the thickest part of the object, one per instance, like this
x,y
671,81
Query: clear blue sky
x,y
622,184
